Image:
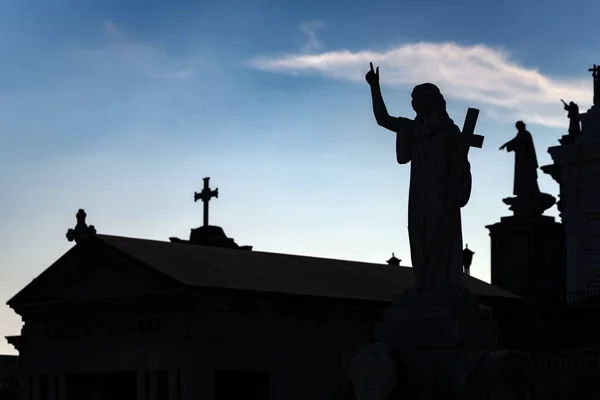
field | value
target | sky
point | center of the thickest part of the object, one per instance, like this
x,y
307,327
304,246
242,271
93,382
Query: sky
x,y
122,107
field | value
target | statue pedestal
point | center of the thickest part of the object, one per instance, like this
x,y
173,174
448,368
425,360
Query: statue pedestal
x,y
530,206
439,346
443,335
528,257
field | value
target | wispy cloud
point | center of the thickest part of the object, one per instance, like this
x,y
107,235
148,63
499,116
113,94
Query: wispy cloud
x,y
181,74
149,59
479,74
310,28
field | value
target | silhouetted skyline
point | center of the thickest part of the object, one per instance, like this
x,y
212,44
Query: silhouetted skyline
x,y
122,108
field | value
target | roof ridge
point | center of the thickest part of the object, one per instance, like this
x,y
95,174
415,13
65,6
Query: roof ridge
x,y
109,237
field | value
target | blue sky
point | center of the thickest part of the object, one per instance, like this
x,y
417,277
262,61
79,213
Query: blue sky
x,y
121,107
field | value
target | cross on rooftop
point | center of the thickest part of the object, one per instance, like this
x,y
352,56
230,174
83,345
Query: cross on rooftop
x,y
81,231
205,195
595,70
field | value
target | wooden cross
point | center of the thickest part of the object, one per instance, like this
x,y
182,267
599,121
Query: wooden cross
x,y
205,195
469,129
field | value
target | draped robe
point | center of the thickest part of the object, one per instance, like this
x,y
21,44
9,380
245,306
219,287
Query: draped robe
x,y
440,185
573,115
526,164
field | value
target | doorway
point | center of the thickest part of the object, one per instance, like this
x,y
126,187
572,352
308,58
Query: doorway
x,y
234,385
113,386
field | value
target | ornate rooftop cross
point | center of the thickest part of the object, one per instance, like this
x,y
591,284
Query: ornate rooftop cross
x,y
82,231
595,70
205,195
469,129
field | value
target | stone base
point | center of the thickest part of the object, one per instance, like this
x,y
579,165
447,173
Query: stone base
x,y
446,333
530,206
528,258
566,140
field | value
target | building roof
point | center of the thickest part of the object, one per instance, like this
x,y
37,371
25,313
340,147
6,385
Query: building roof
x,y
204,266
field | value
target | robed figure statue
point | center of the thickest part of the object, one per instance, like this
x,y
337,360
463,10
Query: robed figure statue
x,y
526,164
440,184
574,122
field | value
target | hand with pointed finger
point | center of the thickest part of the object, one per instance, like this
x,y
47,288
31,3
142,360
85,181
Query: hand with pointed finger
x,y
372,76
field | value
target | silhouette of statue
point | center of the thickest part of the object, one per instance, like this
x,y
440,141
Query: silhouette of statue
x,y
528,200
526,165
440,183
573,115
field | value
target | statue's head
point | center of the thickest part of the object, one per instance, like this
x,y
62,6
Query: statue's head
x,y
427,98
520,126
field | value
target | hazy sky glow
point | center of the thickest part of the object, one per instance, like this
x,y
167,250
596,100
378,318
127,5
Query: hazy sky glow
x,y
121,107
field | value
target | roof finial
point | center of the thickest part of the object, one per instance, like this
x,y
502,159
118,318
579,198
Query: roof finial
x,y
82,231
394,261
467,258
205,195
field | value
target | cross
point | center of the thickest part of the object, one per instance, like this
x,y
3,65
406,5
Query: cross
x,y
205,195
595,70
469,129
81,231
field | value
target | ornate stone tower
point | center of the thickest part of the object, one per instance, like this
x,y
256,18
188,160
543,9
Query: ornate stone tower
x,y
577,169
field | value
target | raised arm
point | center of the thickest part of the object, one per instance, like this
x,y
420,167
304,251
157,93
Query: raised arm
x,y
402,126
379,109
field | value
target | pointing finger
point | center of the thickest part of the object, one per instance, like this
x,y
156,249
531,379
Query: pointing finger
x,y
371,64
377,71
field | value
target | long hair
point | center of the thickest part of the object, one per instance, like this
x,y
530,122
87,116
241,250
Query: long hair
x,y
428,100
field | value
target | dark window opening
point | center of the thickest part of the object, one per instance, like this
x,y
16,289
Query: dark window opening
x,y
233,385
163,384
44,387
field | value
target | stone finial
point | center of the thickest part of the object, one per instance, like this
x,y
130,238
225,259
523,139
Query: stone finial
x,y
467,259
394,261
81,231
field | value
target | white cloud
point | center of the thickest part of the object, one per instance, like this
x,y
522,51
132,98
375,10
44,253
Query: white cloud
x,y
475,74
310,28
149,59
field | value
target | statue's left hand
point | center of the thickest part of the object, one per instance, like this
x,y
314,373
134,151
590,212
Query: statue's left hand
x,y
502,147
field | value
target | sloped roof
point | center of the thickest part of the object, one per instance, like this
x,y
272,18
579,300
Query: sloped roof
x,y
204,266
